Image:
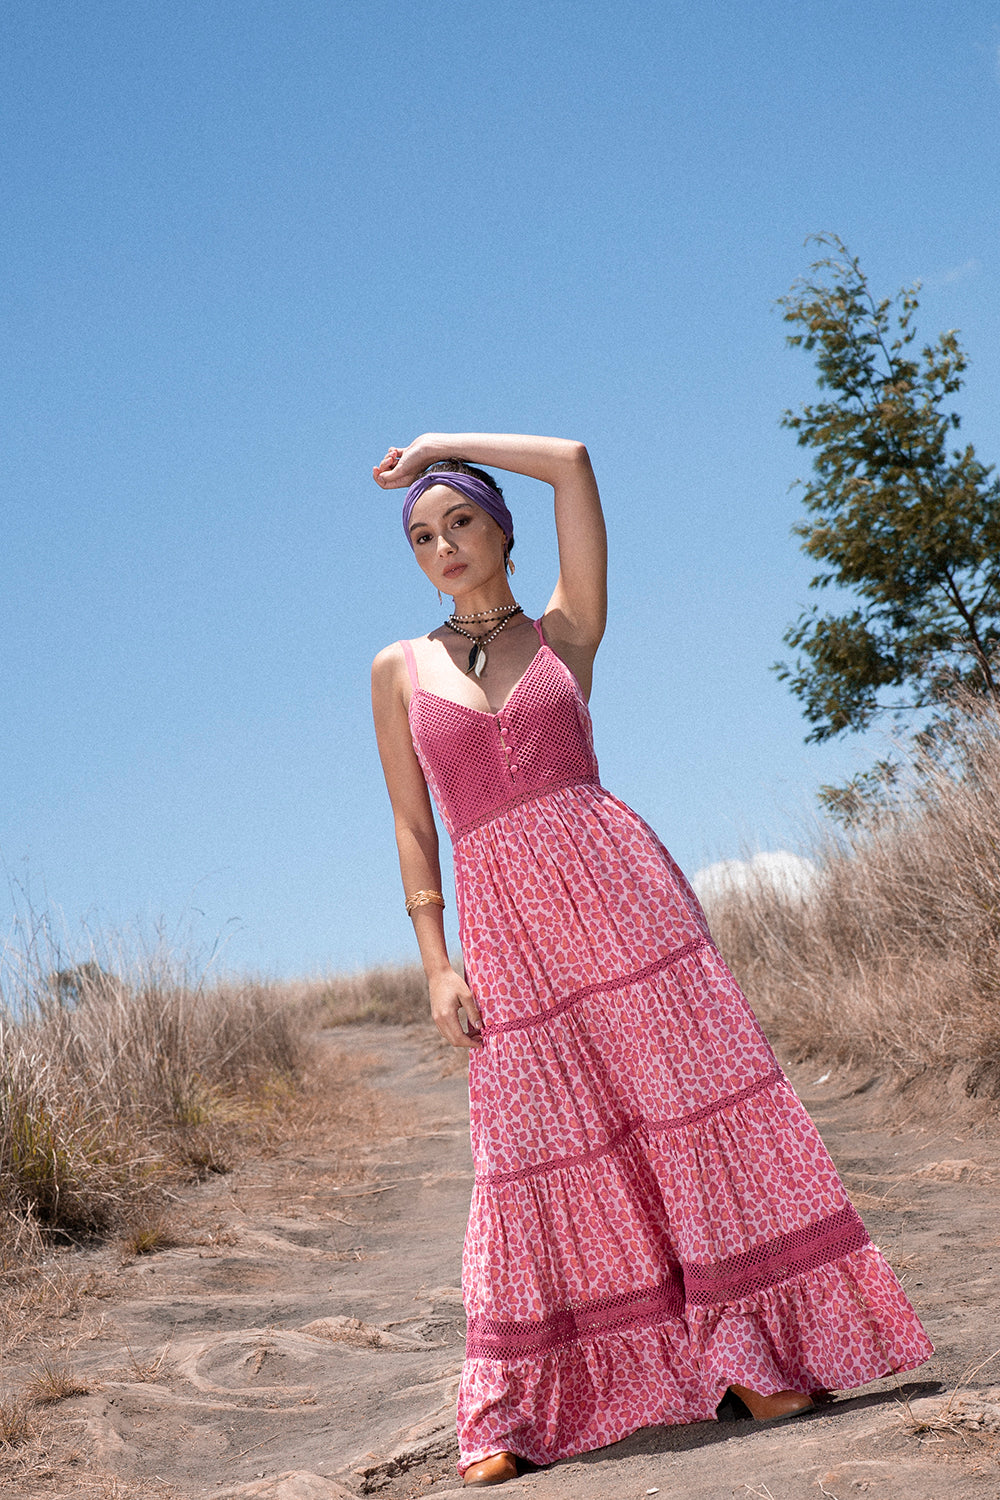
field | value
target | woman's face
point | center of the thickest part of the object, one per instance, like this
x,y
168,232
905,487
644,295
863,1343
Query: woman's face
x,y
457,545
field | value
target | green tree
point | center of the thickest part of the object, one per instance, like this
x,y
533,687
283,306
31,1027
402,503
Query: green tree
x,y
909,527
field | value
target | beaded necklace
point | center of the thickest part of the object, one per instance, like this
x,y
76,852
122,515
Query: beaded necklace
x,y
477,656
483,614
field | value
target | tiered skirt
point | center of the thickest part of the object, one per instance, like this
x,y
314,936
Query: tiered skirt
x,y
654,1216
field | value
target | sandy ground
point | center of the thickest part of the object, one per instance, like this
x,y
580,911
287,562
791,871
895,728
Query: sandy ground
x,y
303,1338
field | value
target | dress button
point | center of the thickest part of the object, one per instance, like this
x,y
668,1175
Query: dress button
x,y
513,766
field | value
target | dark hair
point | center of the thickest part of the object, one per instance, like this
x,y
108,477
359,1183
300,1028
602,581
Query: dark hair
x,y
459,466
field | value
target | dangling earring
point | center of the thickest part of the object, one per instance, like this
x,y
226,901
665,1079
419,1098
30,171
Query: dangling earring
x,y
510,566
440,600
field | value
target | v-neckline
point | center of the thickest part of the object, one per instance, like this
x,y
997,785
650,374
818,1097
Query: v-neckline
x,y
484,713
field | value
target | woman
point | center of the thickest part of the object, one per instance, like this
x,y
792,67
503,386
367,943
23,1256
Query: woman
x,y
655,1225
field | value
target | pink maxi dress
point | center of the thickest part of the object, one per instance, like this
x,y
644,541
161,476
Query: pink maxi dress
x,y
654,1215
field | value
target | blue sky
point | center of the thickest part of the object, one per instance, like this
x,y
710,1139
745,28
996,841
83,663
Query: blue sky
x,y
247,246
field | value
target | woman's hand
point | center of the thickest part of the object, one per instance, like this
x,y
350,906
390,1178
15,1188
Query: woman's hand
x,y
401,466
450,996
383,473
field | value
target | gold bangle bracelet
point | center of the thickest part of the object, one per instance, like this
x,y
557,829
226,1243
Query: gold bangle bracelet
x,y
423,898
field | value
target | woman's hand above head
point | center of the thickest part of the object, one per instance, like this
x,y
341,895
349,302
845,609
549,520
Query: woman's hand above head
x,y
401,466
450,997
382,473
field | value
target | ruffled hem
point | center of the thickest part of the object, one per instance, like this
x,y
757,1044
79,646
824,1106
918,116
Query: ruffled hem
x,y
834,1328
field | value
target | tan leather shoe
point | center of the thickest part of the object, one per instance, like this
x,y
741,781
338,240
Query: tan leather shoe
x,y
492,1470
776,1408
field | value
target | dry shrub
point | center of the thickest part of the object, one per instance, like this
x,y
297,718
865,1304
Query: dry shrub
x,y
392,993
895,955
15,1422
144,1233
53,1382
115,1074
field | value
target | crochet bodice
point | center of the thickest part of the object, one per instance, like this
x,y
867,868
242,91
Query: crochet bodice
x,y
477,764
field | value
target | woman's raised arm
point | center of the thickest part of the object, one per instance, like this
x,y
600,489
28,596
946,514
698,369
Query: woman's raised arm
x,y
575,616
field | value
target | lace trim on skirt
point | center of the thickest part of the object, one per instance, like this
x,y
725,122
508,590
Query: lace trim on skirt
x,y
763,1266
602,987
488,1338
726,1281
634,1127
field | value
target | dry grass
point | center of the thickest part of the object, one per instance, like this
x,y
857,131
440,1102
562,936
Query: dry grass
x,y
146,1232
52,1382
390,994
121,1073
963,1411
338,1118
895,957
15,1422
145,1369
34,1300
117,1077
46,1470
309,1135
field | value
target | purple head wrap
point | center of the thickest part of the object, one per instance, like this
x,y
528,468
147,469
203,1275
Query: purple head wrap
x,y
477,490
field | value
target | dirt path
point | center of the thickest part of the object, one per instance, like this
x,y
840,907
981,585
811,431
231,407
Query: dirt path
x,y
304,1339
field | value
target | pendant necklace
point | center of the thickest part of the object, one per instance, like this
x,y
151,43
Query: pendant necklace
x,y
477,656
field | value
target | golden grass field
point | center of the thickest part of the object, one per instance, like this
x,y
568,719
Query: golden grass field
x,y
115,1083
894,956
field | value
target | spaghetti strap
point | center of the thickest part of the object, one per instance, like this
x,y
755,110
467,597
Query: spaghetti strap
x,y
411,665
538,626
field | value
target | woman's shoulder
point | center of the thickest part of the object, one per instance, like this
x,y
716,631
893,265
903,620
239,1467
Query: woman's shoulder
x,y
389,657
391,669
389,672
393,655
